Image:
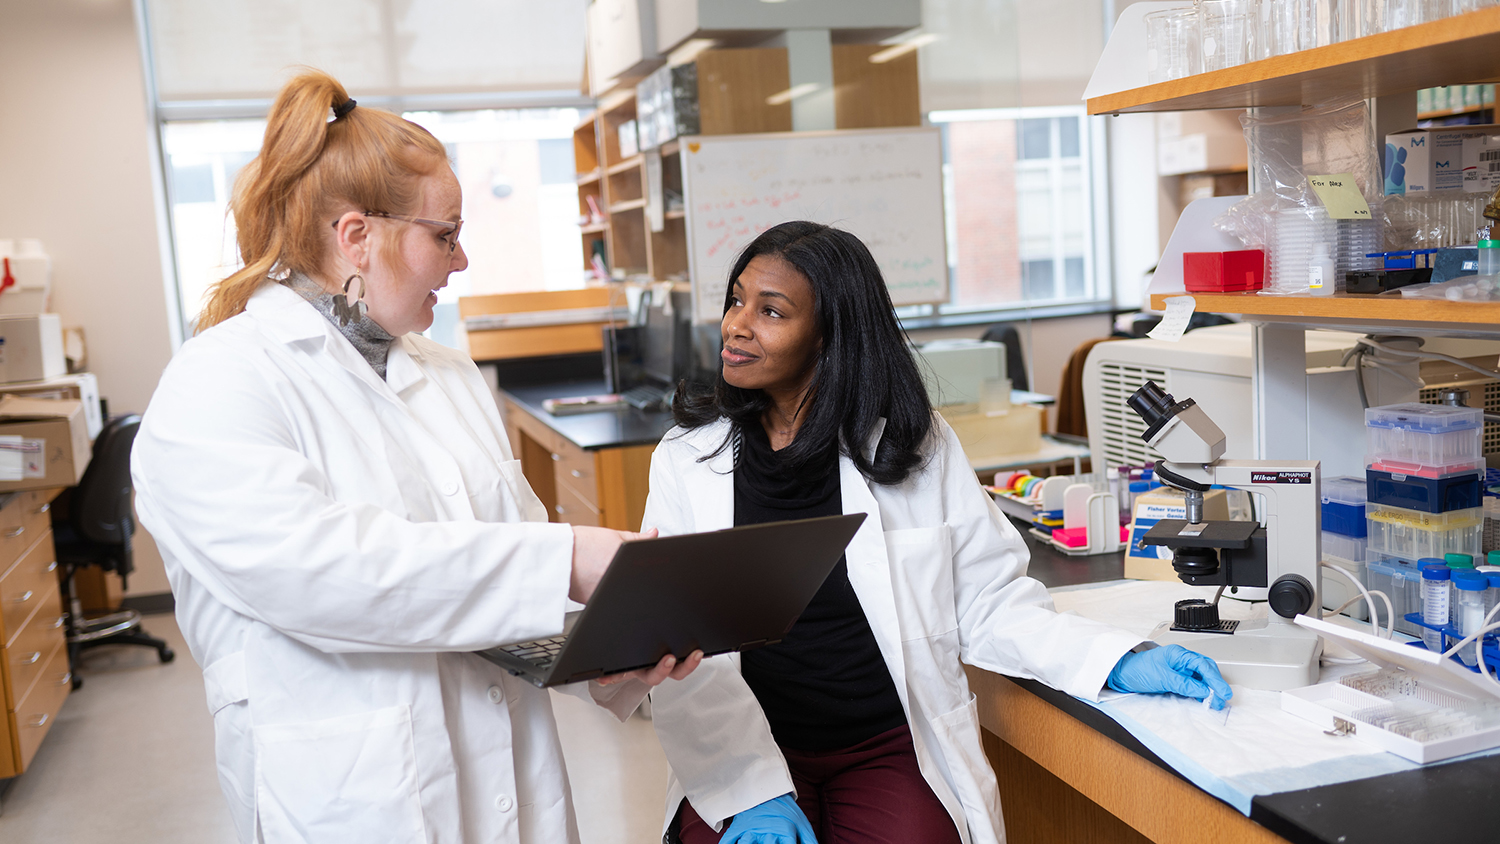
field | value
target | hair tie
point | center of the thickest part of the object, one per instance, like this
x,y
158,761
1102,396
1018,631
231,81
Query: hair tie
x,y
343,108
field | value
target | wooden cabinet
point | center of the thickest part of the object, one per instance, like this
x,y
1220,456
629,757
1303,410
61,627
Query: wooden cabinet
x,y
34,656
603,487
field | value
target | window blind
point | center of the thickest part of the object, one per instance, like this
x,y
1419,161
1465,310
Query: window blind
x,y
236,50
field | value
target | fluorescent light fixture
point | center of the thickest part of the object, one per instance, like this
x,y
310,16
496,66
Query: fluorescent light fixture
x,y
898,50
792,93
690,50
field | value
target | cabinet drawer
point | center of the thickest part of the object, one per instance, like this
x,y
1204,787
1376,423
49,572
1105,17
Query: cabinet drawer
x,y
24,587
36,514
573,510
14,536
575,469
32,645
33,716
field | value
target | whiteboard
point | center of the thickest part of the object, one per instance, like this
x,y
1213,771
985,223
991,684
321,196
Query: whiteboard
x,y
883,185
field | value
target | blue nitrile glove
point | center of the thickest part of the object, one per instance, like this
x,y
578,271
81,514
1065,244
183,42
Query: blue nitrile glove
x,y
1171,668
778,821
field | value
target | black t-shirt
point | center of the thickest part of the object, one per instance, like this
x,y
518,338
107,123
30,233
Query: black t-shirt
x,y
825,686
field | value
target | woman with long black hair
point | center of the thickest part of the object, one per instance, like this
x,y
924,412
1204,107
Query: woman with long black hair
x,y
859,725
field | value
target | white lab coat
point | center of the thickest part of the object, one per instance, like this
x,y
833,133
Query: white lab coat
x,y
336,545
941,575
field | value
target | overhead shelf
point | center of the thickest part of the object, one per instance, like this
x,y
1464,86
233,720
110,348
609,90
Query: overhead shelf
x,y
630,163
1460,49
628,205
588,178
1346,308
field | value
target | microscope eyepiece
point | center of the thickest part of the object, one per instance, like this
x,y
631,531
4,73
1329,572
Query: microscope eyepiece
x,y
1156,407
1151,402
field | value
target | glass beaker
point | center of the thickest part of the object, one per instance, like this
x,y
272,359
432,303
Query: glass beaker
x,y
1172,45
1227,30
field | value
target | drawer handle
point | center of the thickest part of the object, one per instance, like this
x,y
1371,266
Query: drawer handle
x,y
62,619
577,474
52,567
31,660
25,596
44,508
39,721
15,531
559,509
65,678
557,457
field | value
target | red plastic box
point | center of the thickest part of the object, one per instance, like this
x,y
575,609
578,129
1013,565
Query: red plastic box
x,y
1223,272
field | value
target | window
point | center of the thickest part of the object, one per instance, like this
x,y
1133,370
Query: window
x,y
1021,219
520,200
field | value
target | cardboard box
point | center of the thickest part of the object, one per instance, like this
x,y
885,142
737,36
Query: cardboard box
x,y
31,347
1481,164
44,443
81,386
1428,160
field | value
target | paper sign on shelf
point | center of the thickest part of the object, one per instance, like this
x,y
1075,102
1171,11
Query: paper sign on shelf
x,y
1175,321
1341,196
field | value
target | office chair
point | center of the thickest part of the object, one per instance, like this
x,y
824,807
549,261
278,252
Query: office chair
x,y
1015,361
92,525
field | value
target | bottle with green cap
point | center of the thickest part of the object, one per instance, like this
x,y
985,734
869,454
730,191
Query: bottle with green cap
x,y
1458,561
1494,558
1489,255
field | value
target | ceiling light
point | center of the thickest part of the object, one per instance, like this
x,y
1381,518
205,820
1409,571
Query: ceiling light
x,y
897,50
792,93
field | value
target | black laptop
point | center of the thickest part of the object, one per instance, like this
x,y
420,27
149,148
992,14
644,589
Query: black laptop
x,y
721,591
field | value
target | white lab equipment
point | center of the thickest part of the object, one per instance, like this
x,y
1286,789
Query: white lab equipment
x,y
1284,557
25,277
1320,272
1435,603
956,371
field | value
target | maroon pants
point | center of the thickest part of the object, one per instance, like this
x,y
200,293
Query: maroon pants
x,y
871,793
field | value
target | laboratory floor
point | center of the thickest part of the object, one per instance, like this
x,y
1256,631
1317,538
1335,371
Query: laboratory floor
x,y
130,761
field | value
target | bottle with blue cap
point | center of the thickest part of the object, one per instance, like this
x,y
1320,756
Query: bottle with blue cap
x,y
1469,589
1435,602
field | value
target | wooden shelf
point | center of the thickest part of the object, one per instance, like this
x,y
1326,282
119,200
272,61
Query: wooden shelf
x,y
671,147
1347,308
679,214
629,205
588,178
1463,49
594,228
628,164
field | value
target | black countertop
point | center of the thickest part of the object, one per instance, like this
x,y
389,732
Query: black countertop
x,y
1439,802
615,428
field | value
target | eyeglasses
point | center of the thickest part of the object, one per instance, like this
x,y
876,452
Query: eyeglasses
x,y
452,238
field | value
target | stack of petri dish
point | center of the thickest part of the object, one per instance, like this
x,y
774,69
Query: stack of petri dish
x,y
1292,238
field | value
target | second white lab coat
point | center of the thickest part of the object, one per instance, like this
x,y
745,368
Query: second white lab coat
x,y
337,544
941,575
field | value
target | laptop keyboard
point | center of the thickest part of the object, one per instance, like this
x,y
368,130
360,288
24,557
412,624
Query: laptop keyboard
x,y
541,653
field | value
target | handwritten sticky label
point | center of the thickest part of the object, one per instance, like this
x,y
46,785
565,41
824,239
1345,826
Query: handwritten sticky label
x,y
1341,196
1175,321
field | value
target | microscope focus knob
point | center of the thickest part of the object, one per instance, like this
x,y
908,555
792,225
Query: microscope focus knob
x,y
1291,595
1194,614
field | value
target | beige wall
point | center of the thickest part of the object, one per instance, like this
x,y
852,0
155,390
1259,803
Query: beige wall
x,y
75,173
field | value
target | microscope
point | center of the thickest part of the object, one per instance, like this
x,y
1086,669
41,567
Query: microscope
x,y
1281,553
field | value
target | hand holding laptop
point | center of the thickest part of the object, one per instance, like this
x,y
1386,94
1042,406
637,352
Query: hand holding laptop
x,y
593,549
667,668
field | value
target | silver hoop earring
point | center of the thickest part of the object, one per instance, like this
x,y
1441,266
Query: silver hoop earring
x,y
346,312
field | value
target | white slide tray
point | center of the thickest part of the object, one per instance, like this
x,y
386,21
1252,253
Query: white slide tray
x,y
1439,682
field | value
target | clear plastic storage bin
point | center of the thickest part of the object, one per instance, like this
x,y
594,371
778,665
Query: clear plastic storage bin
x,y
1414,492
1344,509
1402,583
1413,534
1425,439
1350,548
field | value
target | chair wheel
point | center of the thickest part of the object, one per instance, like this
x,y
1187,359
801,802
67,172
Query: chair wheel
x,y
166,655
